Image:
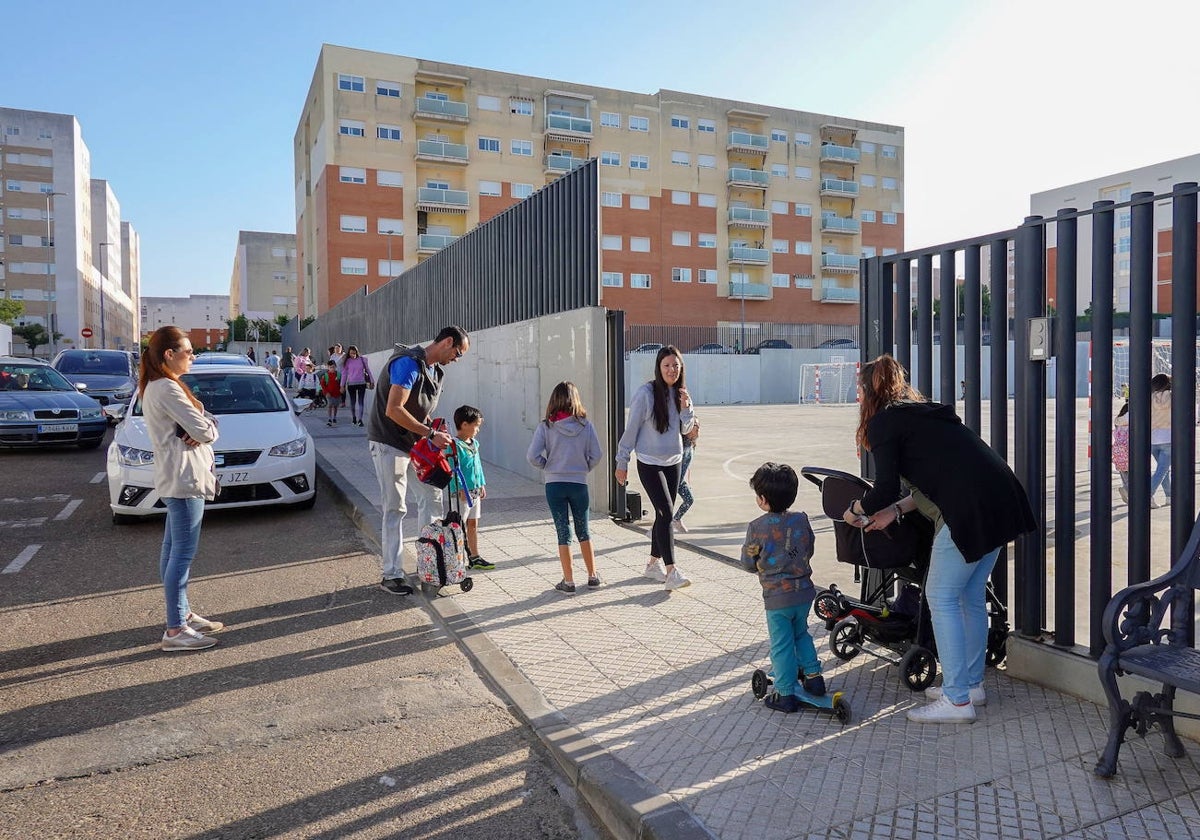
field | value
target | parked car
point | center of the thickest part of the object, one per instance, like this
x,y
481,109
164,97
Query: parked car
x,y
845,343
109,376
264,454
648,347
770,344
41,407
711,347
213,357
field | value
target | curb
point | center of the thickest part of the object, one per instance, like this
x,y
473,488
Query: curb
x,y
627,805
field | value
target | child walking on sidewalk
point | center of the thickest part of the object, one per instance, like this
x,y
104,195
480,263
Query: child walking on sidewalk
x,y
779,547
331,387
566,448
467,420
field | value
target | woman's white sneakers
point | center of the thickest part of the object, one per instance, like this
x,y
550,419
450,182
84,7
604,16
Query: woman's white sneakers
x,y
203,625
186,639
977,694
676,580
942,710
655,570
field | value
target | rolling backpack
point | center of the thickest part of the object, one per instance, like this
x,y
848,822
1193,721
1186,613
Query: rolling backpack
x,y
442,546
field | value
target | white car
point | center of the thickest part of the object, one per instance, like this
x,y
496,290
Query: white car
x,y
264,455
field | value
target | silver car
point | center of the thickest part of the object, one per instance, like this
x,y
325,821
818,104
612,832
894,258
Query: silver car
x,y
108,376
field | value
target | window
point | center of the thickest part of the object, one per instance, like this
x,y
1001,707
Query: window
x,y
522,190
868,251
524,148
803,138
804,248
781,281
867,215
681,197
352,128
779,246
867,148
887,151
803,281
868,180
352,175
608,119
706,161
706,200
354,83
639,123
640,244
610,199
639,162
436,97
391,268
610,243
778,170
680,122
639,202
387,132
707,125
353,224
487,103
489,144
390,227
489,188
613,279
804,173
610,158
779,207
681,275
12,130
778,136
889,183
354,265
887,252
437,185
803,209
387,178
681,159
706,275
383,88
639,281
682,238
706,240
889,218
521,107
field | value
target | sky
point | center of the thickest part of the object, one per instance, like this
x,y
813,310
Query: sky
x,y
189,110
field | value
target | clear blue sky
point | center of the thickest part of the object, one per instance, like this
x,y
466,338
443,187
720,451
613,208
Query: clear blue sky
x,y
189,110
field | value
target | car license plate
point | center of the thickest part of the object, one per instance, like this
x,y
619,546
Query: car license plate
x,y
51,428
233,477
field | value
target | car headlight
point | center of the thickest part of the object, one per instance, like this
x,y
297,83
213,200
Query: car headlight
x,y
123,395
91,413
291,449
14,414
131,457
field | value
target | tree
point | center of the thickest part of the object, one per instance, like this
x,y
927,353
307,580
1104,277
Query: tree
x,y
239,328
10,311
34,335
306,321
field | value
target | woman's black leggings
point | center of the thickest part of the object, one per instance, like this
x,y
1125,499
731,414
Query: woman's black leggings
x,y
661,484
355,398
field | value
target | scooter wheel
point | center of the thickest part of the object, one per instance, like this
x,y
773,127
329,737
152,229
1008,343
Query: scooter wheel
x,y
466,584
842,709
918,667
827,606
997,647
759,683
845,642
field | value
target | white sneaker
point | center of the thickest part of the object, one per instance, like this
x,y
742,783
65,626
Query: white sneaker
x,y
678,525
1124,494
655,571
1154,503
676,580
943,711
203,625
187,639
978,695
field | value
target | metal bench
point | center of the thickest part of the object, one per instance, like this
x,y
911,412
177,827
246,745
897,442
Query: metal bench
x,y
1138,643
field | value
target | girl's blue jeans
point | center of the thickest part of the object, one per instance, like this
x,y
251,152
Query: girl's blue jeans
x,y
685,492
1161,452
568,501
181,536
792,646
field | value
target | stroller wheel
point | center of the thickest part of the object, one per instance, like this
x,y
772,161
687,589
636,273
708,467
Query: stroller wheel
x,y
759,683
845,642
997,646
827,606
918,667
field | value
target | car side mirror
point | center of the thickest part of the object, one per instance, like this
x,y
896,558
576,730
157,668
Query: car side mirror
x,y
79,386
301,404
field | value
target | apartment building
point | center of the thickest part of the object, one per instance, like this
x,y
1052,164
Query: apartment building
x,y
1157,178
713,210
202,317
62,245
264,281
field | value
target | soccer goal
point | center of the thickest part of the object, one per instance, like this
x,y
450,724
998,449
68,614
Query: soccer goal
x,y
829,383
1160,362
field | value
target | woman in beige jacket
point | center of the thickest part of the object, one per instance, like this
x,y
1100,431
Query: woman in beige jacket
x,y
181,435
1160,436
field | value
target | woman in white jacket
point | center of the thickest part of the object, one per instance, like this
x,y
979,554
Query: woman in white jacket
x,y
181,435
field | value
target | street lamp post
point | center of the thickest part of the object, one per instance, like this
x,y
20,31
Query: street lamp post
x,y
52,303
103,276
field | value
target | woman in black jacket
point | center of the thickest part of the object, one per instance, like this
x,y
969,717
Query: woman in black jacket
x,y
927,460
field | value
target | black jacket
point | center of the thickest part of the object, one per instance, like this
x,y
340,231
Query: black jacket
x,y
981,500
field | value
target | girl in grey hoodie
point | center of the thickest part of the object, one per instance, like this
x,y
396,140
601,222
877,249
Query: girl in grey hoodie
x,y
566,448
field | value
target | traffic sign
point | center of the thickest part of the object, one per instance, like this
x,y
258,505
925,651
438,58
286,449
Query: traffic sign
x,y
86,332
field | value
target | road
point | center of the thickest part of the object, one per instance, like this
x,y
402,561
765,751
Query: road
x,y
330,708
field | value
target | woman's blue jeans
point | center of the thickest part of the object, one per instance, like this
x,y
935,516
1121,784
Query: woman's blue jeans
x,y
568,500
181,536
792,646
956,592
1161,452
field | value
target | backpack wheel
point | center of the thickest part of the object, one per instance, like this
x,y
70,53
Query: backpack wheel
x,y
759,683
467,584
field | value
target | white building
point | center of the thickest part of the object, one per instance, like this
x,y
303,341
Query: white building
x,y
202,317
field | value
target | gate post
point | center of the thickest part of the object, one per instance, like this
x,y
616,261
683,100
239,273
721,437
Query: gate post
x,y
1064,429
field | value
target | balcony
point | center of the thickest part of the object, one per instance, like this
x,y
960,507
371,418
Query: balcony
x,y
440,110
429,243
744,141
749,291
567,127
832,293
843,263
836,186
741,255
442,152
443,201
562,163
743,177
748,217
839,224
833,153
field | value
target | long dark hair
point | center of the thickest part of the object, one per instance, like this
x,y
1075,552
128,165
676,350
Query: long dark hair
x,y
1160,382
564,399
153,365
883,382
662,391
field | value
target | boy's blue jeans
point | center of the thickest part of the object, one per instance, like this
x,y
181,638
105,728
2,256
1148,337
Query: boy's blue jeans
x,y
792,646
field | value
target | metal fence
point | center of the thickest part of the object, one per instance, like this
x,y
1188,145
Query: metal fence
x,y
730,336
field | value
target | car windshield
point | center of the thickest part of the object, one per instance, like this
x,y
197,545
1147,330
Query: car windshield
x,y
229,392
18,377
222,359
102,364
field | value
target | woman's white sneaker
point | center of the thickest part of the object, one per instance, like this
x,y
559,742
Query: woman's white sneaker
x,y
655,571
676,580
978,695
943,711
203,625
187,639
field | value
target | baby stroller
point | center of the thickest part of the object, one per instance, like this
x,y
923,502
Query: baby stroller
x,y
891,566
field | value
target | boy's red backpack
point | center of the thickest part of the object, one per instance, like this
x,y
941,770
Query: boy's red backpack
x,y
431,463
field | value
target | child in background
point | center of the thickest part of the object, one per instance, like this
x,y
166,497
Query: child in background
x,y
779,547
331,387
1120,450
685,488
467,420
308,384
565,448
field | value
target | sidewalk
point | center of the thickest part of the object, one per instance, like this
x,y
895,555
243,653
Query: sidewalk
x,y
643,696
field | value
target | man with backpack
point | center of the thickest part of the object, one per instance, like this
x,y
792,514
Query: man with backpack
x,y
406,395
